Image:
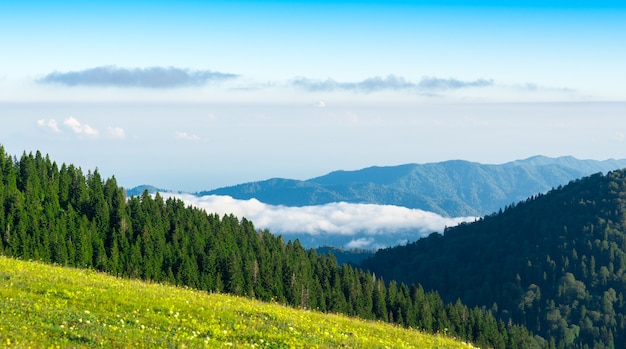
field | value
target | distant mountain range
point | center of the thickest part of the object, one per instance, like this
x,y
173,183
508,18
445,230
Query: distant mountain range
x,y
452,188
138,190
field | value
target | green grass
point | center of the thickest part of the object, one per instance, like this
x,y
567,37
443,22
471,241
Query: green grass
x,y
43,306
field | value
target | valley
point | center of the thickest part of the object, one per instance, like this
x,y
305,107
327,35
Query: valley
x,y
545,272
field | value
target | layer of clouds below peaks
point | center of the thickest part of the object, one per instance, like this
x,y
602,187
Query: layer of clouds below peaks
x,y
391,82
359,225
153,77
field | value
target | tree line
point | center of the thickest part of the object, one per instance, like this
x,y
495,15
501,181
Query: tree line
x,y
555,262
61,215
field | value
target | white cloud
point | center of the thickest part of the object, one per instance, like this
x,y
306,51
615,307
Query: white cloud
x,y
362,243
365,225
187,137
80,129
116,132
73,124
52,124
320,104
90,131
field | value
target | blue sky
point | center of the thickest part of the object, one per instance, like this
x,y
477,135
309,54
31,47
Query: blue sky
x,y
194,95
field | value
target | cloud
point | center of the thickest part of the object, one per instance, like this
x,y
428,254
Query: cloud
x,y
390,82
153,77
116,132
533,87
359,225
436,84
320,104
360,243
187,137
81,129
52,124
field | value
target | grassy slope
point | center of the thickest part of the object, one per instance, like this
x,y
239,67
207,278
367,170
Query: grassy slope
x,y
49,306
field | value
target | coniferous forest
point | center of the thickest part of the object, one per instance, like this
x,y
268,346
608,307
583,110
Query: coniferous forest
x,y
58,214
555,263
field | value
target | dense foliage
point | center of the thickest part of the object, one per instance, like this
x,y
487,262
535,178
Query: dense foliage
x,y
555,262
351,256
58,215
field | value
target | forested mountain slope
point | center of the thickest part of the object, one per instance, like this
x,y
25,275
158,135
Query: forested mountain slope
x,y
452,188
59,215
555,262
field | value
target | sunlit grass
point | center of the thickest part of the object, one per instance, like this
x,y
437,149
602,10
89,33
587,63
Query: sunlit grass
x,y
44,306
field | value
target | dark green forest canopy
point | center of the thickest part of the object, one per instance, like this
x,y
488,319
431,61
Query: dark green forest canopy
x,y
61,215
555,262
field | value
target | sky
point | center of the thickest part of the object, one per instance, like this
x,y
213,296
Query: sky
x,y
196,95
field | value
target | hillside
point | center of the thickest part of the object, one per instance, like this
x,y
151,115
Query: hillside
x,y
58,215
452,188
49,306
555,262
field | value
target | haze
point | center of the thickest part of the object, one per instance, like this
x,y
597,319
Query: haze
x,y
193,96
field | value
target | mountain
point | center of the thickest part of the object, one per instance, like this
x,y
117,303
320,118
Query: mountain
x,y
138,190
554,262
452,188
58,215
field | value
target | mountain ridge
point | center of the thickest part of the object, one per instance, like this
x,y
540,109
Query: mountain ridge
x,y
451,188
58,214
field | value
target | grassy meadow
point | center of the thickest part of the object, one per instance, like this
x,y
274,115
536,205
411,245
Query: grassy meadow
x,y
43,306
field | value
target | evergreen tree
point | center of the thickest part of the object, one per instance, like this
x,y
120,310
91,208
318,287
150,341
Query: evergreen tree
x,y
61,216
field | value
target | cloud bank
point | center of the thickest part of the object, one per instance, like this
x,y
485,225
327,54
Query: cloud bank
x,y
153,77
354,225
391,82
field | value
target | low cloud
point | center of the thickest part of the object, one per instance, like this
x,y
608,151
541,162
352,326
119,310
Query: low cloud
x,y
153,77
80,129
116,132
51,124
357,225
360,243
187,136
389,83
